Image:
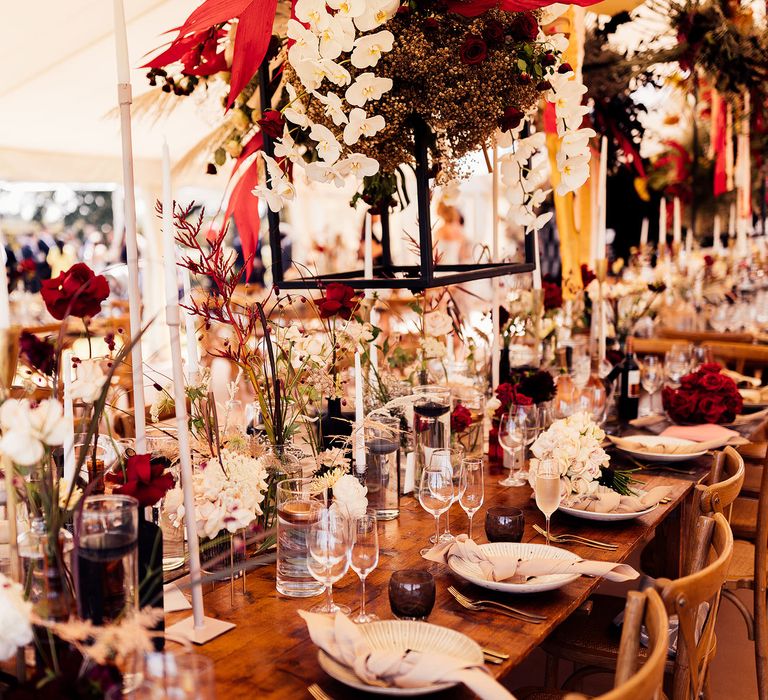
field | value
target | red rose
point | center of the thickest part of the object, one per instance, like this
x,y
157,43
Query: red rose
x,y
511,119
523,400
145,478
493,32
553,296
430,24
461,419
586,275
272,123
474,49
37,353
339,300
524,27
712,382
548,59
710,408
76,292
565,68
710,367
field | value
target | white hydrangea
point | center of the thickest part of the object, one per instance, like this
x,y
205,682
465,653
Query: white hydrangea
x,y
15,626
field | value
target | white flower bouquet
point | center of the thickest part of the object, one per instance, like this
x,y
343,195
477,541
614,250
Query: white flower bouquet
x,y
573,444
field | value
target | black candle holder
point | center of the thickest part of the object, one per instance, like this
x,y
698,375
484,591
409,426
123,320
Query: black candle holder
x,y
387,275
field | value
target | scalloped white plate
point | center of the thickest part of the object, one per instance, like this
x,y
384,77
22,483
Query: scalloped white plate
x,y
521,550
652,440
401,635
605,517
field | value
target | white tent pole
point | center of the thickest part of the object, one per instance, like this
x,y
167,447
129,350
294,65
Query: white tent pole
x,y
129,201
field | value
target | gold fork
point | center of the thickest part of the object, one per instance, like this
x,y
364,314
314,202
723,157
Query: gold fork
x,y
318,693
494,606
576,539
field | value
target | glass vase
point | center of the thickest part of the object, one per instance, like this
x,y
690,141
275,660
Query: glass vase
x,y
382,466
107,561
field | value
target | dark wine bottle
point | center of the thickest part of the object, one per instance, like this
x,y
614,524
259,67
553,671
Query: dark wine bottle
x,y
629,386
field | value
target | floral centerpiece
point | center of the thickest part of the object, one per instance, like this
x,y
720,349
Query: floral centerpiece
x,y
574,445
704,396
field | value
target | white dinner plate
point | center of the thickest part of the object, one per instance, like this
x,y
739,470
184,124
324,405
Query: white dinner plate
x,y
401,635
652,440
521,550
605,517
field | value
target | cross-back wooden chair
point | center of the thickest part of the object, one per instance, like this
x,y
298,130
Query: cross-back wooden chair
x,y
631,682
749,570
726,477
588,641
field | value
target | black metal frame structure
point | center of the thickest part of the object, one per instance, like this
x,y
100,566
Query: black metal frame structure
x,y
417,278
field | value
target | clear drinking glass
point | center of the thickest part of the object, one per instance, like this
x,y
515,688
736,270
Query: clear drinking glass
x,y
107,566
547,489
297,509
364,557
382,466
181,675
451,460
517,429
677,362
328,550
471,438
435,495
471,488
431,424
652,376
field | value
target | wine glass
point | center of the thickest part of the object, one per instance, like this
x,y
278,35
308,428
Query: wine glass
x,y
471,489
328,545
701,355
449,458
652,376
511,439
677,363
547,489
435,494
364,557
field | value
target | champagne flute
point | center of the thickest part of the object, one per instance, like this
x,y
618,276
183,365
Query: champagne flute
x,y
471,489
449,458
328,545
435,495
364,557
547,489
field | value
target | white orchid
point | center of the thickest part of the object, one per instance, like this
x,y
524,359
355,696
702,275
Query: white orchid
x,y
89,381
328,148
295,112
322,172
539,222
376,13
368,48
311,73
347,8
285,147
336,73
358,166
574,173
280,191
361,125
312,13
334,107
367,87
302,37
337,35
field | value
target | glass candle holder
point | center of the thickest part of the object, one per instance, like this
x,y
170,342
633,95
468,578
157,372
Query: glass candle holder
x,y
504,524
431,425
297,509
382,466
411,594
107,575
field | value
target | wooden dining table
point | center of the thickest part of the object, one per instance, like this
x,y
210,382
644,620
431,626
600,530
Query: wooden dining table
x,y
269,653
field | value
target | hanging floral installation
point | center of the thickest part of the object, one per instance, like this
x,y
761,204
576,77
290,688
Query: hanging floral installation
x,y
349,80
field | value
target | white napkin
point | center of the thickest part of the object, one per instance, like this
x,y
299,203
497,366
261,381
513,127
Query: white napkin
x,y
173,599
608,501
639,444
341,639
501,568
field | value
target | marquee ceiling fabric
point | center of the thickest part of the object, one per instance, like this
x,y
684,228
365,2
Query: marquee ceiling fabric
x,y
59,90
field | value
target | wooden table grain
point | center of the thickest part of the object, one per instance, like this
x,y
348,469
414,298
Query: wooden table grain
x,y
269,653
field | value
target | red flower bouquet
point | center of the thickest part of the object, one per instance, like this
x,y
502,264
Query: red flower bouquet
x,y
461,419
704,396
